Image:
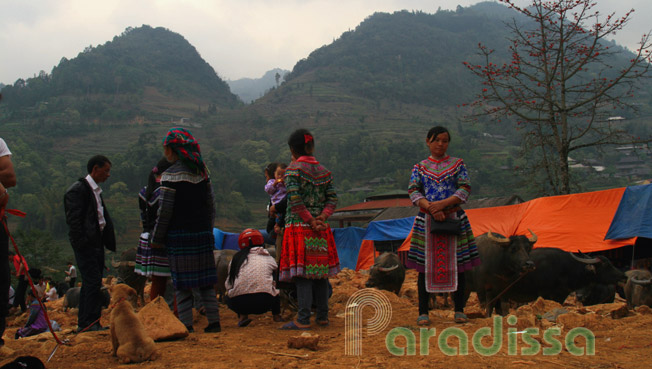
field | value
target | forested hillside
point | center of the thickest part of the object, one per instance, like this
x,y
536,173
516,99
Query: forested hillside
x,y
369,98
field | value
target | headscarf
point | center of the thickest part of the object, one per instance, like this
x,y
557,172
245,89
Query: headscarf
x,y
184,144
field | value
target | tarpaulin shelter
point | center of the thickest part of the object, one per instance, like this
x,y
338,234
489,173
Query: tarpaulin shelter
x,y
381,230
634,215
576,222
347,241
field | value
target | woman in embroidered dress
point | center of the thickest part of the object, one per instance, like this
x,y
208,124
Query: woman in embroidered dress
x,y
184,226
438,185
152,262
308,256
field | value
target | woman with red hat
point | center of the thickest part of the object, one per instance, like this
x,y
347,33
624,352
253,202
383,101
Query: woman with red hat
x,y
250,283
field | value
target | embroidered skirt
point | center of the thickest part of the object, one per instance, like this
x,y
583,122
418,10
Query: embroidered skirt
x,y
191,259
307,253
441,256
151,261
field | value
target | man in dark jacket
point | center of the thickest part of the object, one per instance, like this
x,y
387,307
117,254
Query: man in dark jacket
x,y
90,230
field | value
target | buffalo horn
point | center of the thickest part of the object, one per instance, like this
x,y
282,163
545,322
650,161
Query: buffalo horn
x,y
499,240
585,261
643,282
383,269
533,238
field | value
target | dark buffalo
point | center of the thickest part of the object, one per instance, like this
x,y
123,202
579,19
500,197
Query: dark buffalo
x,y
71,298
558,273
222,260
387,273
638,290
503,260
127,275
596,293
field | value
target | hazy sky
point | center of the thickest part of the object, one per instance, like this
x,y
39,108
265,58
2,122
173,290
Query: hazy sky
x,y
238,38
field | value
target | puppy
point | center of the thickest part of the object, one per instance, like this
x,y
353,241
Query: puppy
x,y
130,342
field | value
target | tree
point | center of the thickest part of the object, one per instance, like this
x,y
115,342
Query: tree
x,y
561,83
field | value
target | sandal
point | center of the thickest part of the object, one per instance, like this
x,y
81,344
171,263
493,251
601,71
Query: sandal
x,y
423,320
323,323
244,322
293,326
460,317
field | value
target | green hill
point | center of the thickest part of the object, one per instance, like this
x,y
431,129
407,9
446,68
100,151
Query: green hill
x,y
146,72
369,97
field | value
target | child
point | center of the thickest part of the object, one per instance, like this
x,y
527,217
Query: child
x,y
275,187
36,322
250,283
308,255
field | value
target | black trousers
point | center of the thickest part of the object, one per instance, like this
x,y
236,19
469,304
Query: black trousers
x,y
90,264
19,298
424,296
254,303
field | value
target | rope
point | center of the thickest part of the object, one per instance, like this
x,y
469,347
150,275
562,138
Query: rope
x,y
29,279
523,274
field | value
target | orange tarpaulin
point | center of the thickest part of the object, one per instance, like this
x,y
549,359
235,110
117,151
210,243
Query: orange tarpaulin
x,y
568,222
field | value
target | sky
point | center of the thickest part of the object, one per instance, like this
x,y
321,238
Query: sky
x,y
238,38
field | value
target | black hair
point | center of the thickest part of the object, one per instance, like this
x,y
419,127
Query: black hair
x,y
270,169
281,165
238,259
99,160
436,131
152,184
302,142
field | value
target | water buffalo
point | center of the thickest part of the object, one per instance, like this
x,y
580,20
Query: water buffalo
x,y
638,290
596,293
387,273
503,261
127,275
558,273
71,298
222,260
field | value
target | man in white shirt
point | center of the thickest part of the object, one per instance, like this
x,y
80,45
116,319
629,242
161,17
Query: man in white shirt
x,y
90,230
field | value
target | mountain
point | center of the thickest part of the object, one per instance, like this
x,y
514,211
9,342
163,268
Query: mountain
x,y
250,89
369,98
148,72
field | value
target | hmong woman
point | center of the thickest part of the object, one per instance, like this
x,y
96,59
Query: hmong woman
x,y
438,185
308,256
185,226
152,262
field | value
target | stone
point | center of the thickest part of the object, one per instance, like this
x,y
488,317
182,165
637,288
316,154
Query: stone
x,y
305,340
570,320
618,310
159,321
552,315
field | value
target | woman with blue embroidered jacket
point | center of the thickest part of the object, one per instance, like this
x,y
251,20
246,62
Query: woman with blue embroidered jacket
x,y
438,185
184,226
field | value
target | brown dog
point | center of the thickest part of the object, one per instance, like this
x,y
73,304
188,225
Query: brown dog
x,y
130,342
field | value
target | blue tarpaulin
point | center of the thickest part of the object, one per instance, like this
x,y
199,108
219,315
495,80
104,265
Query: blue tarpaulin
x,y
634,215
348,242
392,229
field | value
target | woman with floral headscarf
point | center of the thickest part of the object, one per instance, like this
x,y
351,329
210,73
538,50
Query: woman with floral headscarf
x,y
184,226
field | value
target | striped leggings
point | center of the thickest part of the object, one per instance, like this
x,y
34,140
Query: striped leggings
x,y
185,304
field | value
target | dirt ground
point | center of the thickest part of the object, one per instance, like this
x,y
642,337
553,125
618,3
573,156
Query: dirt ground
x,y
622,338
